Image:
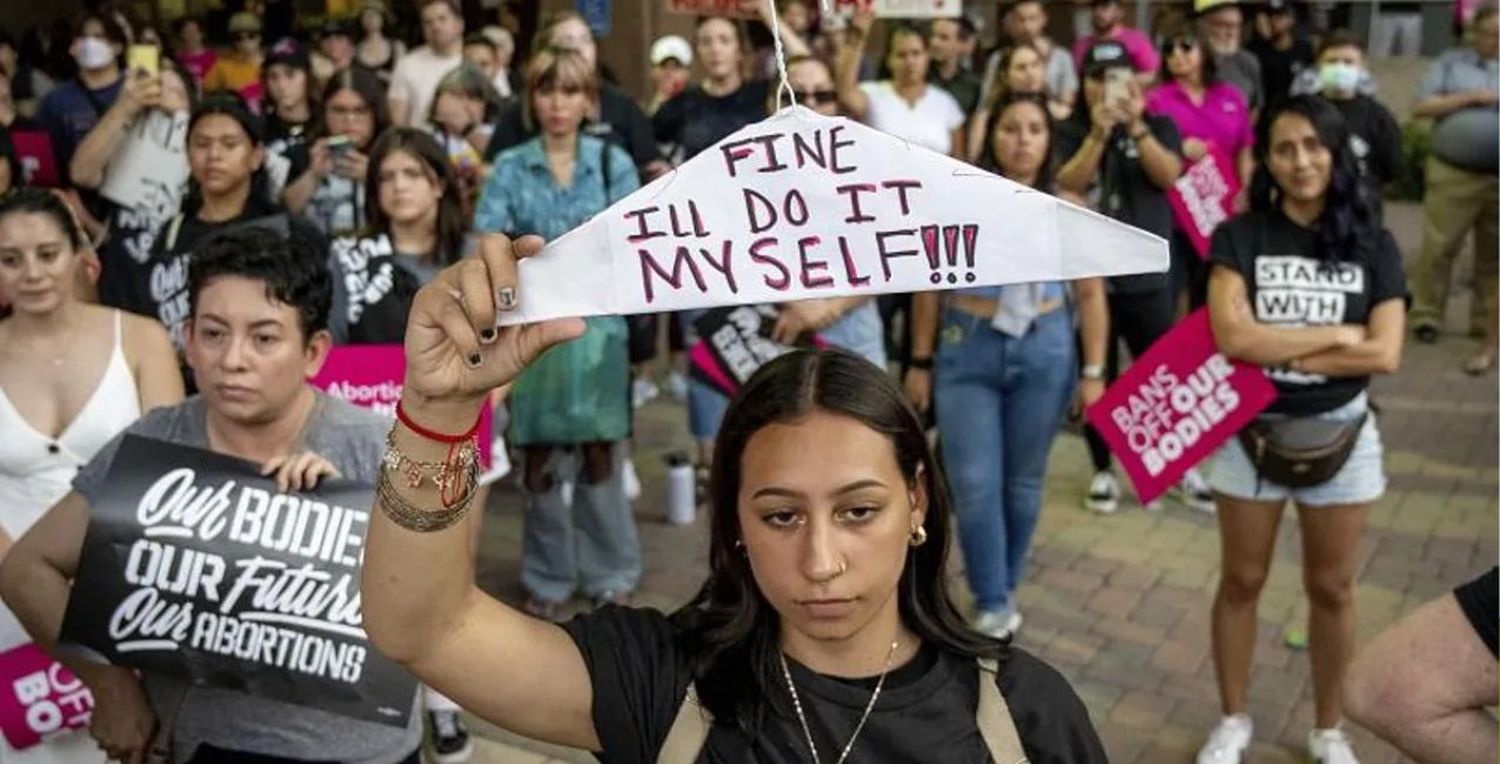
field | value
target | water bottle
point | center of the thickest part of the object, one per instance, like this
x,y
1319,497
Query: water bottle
x,y
681,498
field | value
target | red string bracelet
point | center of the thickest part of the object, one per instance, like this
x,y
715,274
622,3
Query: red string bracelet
x,y
406,420
451,462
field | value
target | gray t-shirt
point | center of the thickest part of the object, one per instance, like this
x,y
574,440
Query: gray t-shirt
x,y
1242,70
352,439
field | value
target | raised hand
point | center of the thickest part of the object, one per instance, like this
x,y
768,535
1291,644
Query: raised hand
x,y
455,354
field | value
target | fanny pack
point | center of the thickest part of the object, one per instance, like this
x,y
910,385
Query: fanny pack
x,y
1300,452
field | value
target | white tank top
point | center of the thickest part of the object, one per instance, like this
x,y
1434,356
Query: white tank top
x,y
35,472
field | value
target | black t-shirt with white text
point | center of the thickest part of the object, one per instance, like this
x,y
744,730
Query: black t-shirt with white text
x,y
1289,285
925,712
1126,192
160,288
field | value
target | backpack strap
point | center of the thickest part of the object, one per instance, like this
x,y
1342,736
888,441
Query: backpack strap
x,y
688,733
994,720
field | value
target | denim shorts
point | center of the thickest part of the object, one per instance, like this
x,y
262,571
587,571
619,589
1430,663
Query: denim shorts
x,y
1360,481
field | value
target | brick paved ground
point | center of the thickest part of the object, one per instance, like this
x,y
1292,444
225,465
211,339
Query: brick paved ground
x,y
1120,604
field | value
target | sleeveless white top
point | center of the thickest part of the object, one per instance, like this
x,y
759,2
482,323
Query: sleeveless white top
x,y
35,472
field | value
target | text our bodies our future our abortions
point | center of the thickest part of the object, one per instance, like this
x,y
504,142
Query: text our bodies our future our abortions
x,y
802,206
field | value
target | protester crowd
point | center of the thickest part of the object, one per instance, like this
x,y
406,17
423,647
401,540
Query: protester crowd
x,y
327,187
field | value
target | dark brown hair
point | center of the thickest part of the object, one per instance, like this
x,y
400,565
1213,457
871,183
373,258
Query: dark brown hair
x,y
729,628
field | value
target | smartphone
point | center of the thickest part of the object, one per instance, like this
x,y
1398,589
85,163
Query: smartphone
x,y
144,58
339,145
1117,85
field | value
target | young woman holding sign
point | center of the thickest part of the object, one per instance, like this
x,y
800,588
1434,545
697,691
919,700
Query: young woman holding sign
x,y
1003,374
824,633
570,412
72,375
1309,286
1214,119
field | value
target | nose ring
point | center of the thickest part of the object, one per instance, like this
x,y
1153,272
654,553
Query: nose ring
x,y
843,566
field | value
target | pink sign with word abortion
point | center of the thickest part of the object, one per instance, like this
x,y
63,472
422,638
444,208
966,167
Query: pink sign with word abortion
x,y
372,376
1176,404
1203,198
39,697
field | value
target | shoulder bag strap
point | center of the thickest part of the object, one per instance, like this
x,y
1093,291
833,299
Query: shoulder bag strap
x,y
688,733
994,720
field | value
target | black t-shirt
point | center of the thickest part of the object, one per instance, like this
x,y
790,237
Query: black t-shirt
x,y
373,288
925,712
621,122
1481,605
693,120
1126,192
160,289
1375,139
1289,285
1279,68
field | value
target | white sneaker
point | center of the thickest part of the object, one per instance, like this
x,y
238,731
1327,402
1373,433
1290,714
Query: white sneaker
x,y
1000,624
1104,493
1330,747
1227,743
677,385
632,481
1194,492
643,391
499,462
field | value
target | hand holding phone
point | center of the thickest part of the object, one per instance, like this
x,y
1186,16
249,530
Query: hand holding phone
x,y
144,58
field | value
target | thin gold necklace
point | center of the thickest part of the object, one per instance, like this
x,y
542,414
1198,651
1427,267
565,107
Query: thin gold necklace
x,y
797,705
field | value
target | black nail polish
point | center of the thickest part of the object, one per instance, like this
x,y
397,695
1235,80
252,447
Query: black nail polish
x,y
507,298
487,335
474,359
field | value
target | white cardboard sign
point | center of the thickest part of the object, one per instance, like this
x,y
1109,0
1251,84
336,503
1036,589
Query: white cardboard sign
x,y
800,206
152,162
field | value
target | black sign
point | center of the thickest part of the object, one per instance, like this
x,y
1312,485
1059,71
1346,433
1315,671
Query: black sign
x,y
194,566
736,341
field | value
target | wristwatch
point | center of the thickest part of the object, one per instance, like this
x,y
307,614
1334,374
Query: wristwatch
x,y
1091,371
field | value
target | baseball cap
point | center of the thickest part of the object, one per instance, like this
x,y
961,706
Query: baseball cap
x,y
671,46
244,22
1106,54
287,52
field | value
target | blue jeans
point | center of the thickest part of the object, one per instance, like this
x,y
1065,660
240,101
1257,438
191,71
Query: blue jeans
x,y
1000,401
590,544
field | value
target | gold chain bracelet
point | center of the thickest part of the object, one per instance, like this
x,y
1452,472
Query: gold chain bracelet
x,y
462,470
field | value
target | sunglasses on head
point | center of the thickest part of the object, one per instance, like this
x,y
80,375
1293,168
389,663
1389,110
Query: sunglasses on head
x,y
816,96
1185,45
247,35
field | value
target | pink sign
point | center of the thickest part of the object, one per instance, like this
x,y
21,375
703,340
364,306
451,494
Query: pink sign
x,y
39,698
1203,198
372,376
1176,404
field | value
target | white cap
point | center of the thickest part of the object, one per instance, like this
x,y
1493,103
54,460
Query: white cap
x,y
671,46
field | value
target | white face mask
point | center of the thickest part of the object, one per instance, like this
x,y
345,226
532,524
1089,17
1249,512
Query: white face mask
x,y
1340,78
94,53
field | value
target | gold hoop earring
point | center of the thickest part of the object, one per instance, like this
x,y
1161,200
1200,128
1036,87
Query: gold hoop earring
x,y
918,536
